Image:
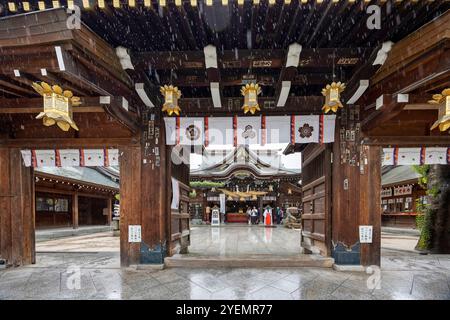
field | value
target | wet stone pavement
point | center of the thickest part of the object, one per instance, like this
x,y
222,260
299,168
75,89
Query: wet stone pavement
x,y
98,276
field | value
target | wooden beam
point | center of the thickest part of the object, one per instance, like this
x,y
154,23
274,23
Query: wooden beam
x,y
62,143
244,59
294,105
75,213
387,107
408,141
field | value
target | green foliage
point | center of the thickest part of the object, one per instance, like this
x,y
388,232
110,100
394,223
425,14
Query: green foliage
x,y
423,171
206,184
192,194
424,221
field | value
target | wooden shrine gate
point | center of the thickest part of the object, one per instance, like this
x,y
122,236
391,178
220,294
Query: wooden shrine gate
x,y
316,199
179,227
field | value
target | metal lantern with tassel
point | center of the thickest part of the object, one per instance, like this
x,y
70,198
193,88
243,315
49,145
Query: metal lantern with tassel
x,y
443,99
250,92
332,93
171,95
57,106
270,187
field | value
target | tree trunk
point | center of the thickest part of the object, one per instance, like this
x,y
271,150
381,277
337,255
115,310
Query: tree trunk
x,y
439,185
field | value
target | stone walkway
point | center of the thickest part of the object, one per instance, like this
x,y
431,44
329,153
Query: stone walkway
x,y
100,277
404,275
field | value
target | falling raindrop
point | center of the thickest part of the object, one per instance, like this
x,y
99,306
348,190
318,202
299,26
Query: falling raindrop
x,y
249,39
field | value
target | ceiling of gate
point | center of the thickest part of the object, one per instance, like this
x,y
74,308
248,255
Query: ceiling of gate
x,y
252,37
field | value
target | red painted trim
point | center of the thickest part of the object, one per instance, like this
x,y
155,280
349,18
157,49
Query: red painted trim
x,y
177,130
263,130
235,131
395,156
81,158
106,157
321,128
33,159
206,127
57,158
293,129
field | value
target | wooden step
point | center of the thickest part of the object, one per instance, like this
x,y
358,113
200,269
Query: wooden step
x,y
249,261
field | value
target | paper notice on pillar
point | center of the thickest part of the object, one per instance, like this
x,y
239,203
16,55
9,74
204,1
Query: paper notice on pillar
x,y
435,155
408,156
68,157
248,130
278,129
44,158
175,194
191,131
134,233
388,157
170,131
26,157
307,129
112,157
328,127
92,157
222,202
219,131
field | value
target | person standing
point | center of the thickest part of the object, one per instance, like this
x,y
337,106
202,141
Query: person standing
x,y
281,215
268,216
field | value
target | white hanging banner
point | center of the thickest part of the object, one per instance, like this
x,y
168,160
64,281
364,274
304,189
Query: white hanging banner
x,y
327,126
408,156
26,156
68,157
113,157
191,131
71,158
307,129
248,130
175,194
170,131
219,131
92,157
278,129
43,158
435,155
388,157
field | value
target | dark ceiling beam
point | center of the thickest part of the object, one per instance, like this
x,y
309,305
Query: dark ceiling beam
x,y
408,141
311,57
337,19
232,106
302,79
387,107
319,24
433,63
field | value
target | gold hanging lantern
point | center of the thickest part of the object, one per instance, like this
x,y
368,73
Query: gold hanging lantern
x,y
332,93
57,106
270,187
443,100
171,95
230,198
254,197
289,191
241,199
250,92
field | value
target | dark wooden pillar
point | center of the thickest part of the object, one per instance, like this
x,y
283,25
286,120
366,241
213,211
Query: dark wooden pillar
x,y
17,224
144,189
109,209
130,202
356,192
75,211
